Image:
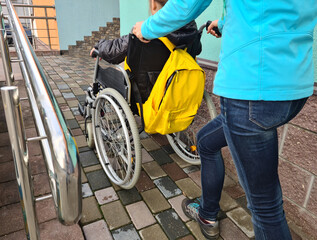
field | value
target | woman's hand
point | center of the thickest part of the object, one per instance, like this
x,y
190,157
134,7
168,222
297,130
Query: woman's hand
x,y
137,32
211,26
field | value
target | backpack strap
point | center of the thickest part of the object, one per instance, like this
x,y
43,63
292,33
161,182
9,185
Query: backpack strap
x,y
168,43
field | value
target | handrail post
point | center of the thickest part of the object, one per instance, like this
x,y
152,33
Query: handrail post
x,y
13,114
5,53
48,29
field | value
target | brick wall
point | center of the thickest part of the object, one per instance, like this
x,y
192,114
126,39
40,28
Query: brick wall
x,y
297,167
83,47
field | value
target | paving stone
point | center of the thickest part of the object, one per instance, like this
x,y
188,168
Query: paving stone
x,y
189,188
127,232
180,162
62,86
146,157
161,157
5,153
243,220
45,210
167,187
153,233
90,210
92,168
226,202
228,230
41,184
129,196
72,103
81,98
11,219
176,203
228,182
20,235
144,135
160,139
172,224
97,231
168,149
57,231
83,176
75,111
193,226
242,202
84,87
149,144
155,200
174,171
68,115
189,237
98,180
86,191
69,95
144,183
196,177
84,149
115,215
153,170
235,191
72,124
140,215
191,169
88,158
106,195
7,171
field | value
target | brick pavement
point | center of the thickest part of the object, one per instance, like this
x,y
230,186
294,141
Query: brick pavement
x,y
151,210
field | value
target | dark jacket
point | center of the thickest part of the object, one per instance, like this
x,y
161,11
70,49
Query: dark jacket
x,y
146,60
115,51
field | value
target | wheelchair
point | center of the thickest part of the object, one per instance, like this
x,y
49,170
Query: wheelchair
x,y
111,126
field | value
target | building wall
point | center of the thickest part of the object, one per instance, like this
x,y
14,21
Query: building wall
x,y
78,18
41,24
315,53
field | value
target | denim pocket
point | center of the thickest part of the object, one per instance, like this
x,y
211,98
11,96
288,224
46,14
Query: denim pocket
x,y
269,114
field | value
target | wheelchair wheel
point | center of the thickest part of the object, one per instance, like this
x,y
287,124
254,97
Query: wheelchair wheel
x,y
117,138
90,136
184,143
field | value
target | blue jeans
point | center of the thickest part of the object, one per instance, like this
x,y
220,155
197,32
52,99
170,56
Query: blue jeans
x,y
249,128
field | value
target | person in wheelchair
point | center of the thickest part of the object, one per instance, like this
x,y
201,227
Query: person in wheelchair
x,y
146,60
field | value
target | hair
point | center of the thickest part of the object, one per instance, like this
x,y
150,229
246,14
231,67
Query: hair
x,y
161,2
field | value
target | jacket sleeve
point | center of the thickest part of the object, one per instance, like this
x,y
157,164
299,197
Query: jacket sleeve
x,y
113,51
174,15
221,23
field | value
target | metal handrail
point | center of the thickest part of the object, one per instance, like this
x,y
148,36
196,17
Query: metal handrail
x,y
59,148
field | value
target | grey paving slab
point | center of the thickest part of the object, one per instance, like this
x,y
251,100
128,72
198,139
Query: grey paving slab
x,y
98,180
193,226
127,232
161,157
167,187
153,170
172,224
242,201
168,149
68,95
86,190
72,124
180,162
149,144
88,158
146,157
189,188
226,202
191,169
62,86
129,196
90,210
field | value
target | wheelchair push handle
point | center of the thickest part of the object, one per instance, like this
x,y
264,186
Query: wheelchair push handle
x,y
95,53
206,25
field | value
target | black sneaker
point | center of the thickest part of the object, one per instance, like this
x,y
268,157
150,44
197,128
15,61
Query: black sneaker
x,y
190,208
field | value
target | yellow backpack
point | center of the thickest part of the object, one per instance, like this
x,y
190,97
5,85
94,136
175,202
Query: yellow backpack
x,y
176,94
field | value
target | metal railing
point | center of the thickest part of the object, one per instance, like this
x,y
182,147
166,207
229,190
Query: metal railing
x,y
32,18
58,146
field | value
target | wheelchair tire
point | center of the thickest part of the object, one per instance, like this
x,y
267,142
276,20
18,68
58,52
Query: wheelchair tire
x,y
90,136
117,138
184,143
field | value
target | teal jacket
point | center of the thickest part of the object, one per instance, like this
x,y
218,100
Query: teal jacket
x,y
266,51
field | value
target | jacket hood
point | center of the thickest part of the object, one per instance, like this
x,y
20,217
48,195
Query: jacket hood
x,y
184,35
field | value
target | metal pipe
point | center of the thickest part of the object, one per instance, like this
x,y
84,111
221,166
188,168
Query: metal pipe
x,y
48,29
29,5
5,53
62,158
12,110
